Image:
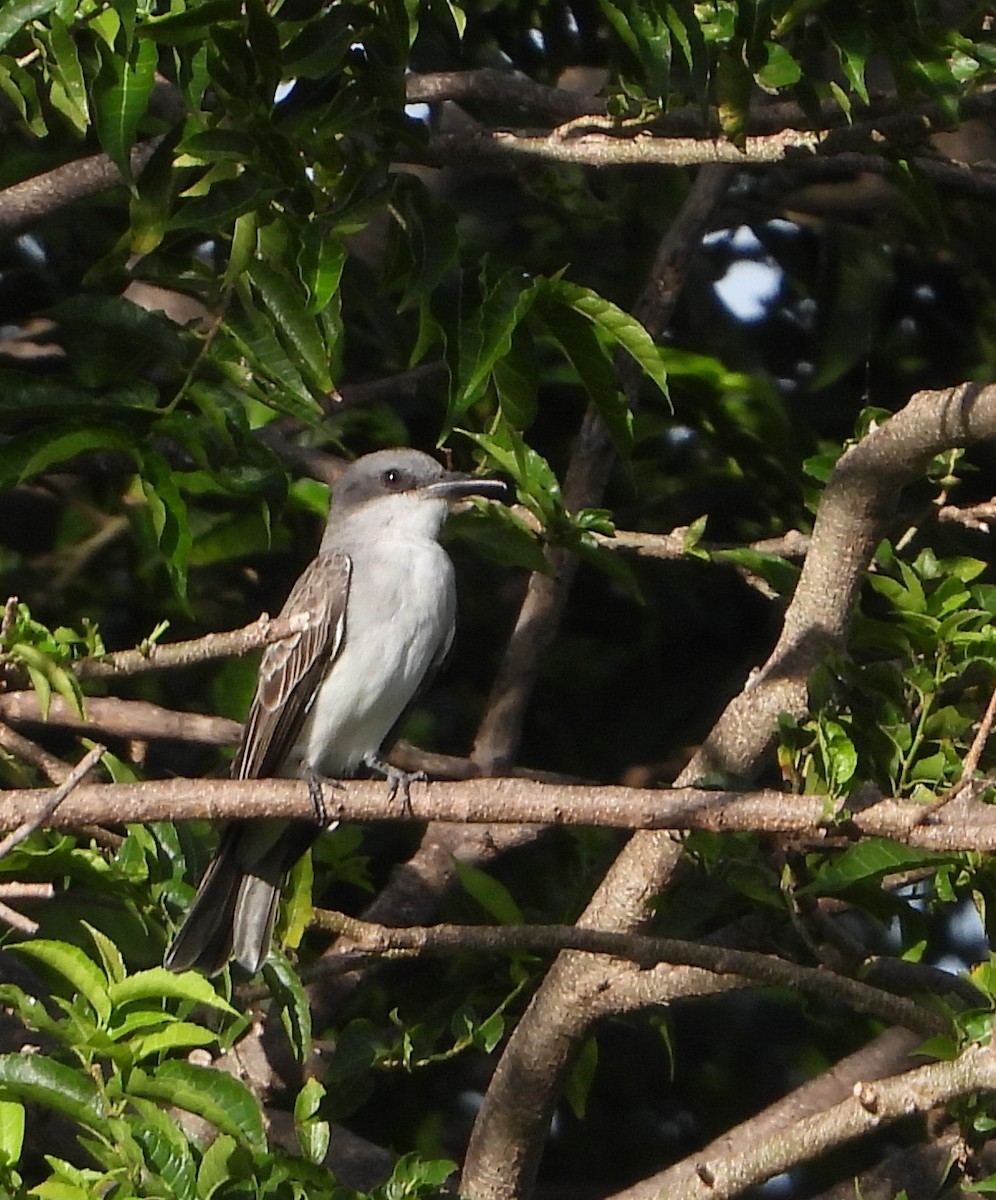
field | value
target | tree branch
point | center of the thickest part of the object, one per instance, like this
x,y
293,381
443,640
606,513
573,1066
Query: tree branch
x,y
22,204
507,1140
112,717
157,657
766,970
712,1175
965,824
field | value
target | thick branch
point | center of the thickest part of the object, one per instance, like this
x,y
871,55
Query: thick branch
x,y
871,1106
964,824
510,89
22,204
607,150
108,715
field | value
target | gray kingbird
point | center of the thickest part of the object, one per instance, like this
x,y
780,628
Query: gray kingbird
x,y
379,604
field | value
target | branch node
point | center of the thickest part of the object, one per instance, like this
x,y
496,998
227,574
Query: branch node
x,y
705,1174
867,1097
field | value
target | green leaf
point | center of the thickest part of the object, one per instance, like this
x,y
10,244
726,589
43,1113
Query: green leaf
x,y
73,102
781,574
493,897
178,1035
299,332
158,984
167,1150
870,860
295,1010
11,1130
515,380
320,263
538,486
122,101
581,1078
42,1080
502,535
192,23
253,335
503,307
223,1161
733,83
591,358
224,202
620,327
214,1095
169,516
16,14
313,1135
41,450
81,972
780,71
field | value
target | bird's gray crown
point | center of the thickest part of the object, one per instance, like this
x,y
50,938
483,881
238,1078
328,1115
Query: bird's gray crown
x,y
385,473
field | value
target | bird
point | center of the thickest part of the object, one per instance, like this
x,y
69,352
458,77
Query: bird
x,y
378,607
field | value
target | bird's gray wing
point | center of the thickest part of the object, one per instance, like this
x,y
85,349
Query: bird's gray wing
x,y
292,669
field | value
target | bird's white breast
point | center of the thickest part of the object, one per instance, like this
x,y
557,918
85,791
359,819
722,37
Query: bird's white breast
x,y
399,620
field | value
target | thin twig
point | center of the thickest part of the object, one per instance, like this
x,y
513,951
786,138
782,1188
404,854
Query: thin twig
x,y
156,657
76,776
55,770
17,920
967,780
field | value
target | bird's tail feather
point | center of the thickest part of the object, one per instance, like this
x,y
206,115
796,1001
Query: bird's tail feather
x,y
233,913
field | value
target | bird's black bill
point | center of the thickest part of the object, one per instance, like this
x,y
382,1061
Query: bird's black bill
x,y
455,487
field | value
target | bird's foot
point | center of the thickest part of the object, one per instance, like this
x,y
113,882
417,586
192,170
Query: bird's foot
x,y
397,780
317,796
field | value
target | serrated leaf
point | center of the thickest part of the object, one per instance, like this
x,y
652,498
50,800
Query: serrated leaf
x,y
313,1135
81,972
159,984
295,1010
214,1095
178,1035
166,1147
42,1080
217,1166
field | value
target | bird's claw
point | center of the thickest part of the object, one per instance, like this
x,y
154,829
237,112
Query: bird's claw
x,y
316,794
397,781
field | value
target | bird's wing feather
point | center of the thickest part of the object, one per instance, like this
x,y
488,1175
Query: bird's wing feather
x,y
292,669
